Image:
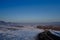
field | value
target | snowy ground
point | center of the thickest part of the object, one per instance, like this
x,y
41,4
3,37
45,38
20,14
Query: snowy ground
x,y
57,33
23,33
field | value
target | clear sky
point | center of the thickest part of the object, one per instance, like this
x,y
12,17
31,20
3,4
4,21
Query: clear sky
x,y
30,10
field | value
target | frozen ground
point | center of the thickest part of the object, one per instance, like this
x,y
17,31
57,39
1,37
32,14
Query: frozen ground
x,y
57,33
23,33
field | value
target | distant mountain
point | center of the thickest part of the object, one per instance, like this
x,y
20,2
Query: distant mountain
x,y
8,23
13,24
3,23
55,23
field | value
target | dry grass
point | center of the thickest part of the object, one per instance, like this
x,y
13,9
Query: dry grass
x,y
49,27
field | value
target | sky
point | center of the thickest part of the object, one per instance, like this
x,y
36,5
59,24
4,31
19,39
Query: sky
x,y
30,11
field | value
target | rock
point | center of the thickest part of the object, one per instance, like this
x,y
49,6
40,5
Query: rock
x,y
47,35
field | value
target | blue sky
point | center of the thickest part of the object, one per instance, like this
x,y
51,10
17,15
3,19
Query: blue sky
x,y
30,11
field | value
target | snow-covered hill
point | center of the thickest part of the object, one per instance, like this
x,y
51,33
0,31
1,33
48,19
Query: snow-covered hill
x,y
25,33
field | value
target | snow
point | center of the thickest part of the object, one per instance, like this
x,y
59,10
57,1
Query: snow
x,y
57,33
25,33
